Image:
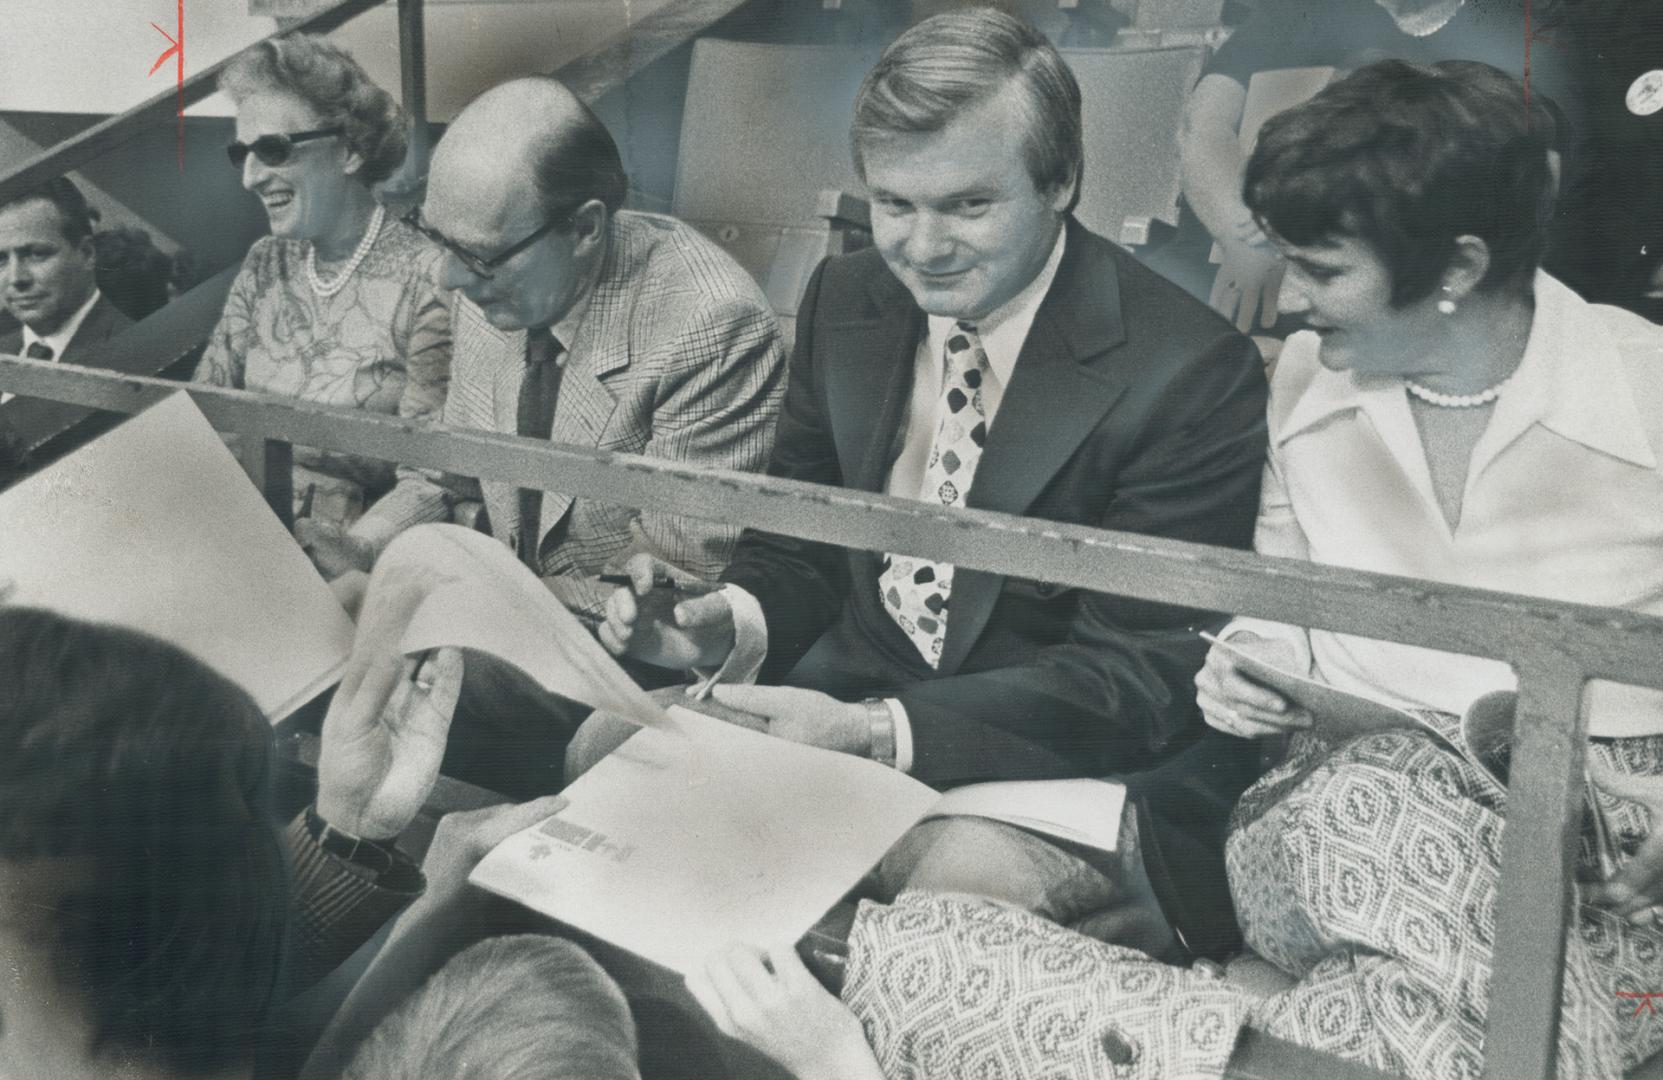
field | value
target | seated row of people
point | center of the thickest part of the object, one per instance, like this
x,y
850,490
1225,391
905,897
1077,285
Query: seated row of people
x,y
1459,417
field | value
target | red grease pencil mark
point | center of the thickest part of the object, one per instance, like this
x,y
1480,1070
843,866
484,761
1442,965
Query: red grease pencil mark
x,y
1644,998
177,51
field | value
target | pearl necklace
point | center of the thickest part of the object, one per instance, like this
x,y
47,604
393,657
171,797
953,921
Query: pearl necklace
x,y
330,288
1456,401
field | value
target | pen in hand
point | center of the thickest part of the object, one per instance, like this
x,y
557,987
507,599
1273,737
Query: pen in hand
x,y
686,588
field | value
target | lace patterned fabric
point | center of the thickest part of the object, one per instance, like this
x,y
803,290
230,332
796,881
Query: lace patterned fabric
x,y
1370,873
950,988
382,343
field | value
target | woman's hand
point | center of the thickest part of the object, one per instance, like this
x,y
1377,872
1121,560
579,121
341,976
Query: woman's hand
x,y
1248,288
770,1001
1234,704
1635,891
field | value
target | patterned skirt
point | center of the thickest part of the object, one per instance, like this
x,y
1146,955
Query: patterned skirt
x,y
1369,873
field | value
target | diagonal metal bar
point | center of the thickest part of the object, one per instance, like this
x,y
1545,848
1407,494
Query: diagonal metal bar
x,y
162,108
645,40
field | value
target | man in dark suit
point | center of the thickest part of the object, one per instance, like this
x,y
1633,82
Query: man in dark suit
x,y
48,282
992,353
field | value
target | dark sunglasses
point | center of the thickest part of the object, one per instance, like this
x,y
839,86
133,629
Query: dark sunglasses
x,y
274,150
479,265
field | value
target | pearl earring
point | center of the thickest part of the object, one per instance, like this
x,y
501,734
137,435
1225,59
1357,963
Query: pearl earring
x,y
1446,306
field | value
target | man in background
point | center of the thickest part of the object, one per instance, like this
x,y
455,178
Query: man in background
x,y
49,284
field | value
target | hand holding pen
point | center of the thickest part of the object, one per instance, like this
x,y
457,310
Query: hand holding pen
x,y
672,622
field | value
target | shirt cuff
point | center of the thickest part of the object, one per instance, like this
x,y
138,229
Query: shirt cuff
x,y
903,735
750,645
336,909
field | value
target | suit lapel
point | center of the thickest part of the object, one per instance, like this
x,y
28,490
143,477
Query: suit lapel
x,y
1057,396
487,368
875,355
94,330
600,352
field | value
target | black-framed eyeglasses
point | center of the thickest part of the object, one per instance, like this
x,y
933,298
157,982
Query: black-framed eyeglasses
x,y
477,264
274,150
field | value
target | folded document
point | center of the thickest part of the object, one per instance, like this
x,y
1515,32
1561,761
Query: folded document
x,y
679,843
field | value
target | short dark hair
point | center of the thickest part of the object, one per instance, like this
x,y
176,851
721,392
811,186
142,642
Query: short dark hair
x,y
125,751
76,216
954,61
578,161
333,85
1408,158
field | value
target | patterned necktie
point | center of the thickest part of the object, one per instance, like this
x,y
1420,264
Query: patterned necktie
x,y
535,419
916,592
38,350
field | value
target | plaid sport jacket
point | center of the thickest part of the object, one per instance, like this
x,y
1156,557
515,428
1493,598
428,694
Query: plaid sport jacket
x,y
677,356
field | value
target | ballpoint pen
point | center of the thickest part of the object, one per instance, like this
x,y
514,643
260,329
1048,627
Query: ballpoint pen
x,y
687,588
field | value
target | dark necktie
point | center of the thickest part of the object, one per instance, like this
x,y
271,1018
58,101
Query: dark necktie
x,y
535,419
38,350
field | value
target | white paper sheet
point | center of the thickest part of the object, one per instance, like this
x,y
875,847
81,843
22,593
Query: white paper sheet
x,y
1080,811
156,527
673,847
500,607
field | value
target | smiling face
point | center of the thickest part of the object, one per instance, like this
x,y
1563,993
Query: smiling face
x,y
956,214
44,279
305,196
1344,290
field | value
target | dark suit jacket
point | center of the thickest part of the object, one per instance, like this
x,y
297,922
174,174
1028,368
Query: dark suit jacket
x,y
1132,406
28,425
103,322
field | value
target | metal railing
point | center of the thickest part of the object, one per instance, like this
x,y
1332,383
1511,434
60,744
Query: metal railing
x,y
1555,647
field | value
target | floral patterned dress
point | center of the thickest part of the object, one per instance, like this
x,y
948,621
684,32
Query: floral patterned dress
x,y
381,343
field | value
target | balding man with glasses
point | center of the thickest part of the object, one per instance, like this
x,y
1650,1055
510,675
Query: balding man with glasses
x,y
587,325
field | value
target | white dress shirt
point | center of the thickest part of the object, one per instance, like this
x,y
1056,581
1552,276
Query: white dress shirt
x,y
1003,332
1563,499
60,340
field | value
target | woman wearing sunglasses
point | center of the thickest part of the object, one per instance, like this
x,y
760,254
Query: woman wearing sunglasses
x,y
338,305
